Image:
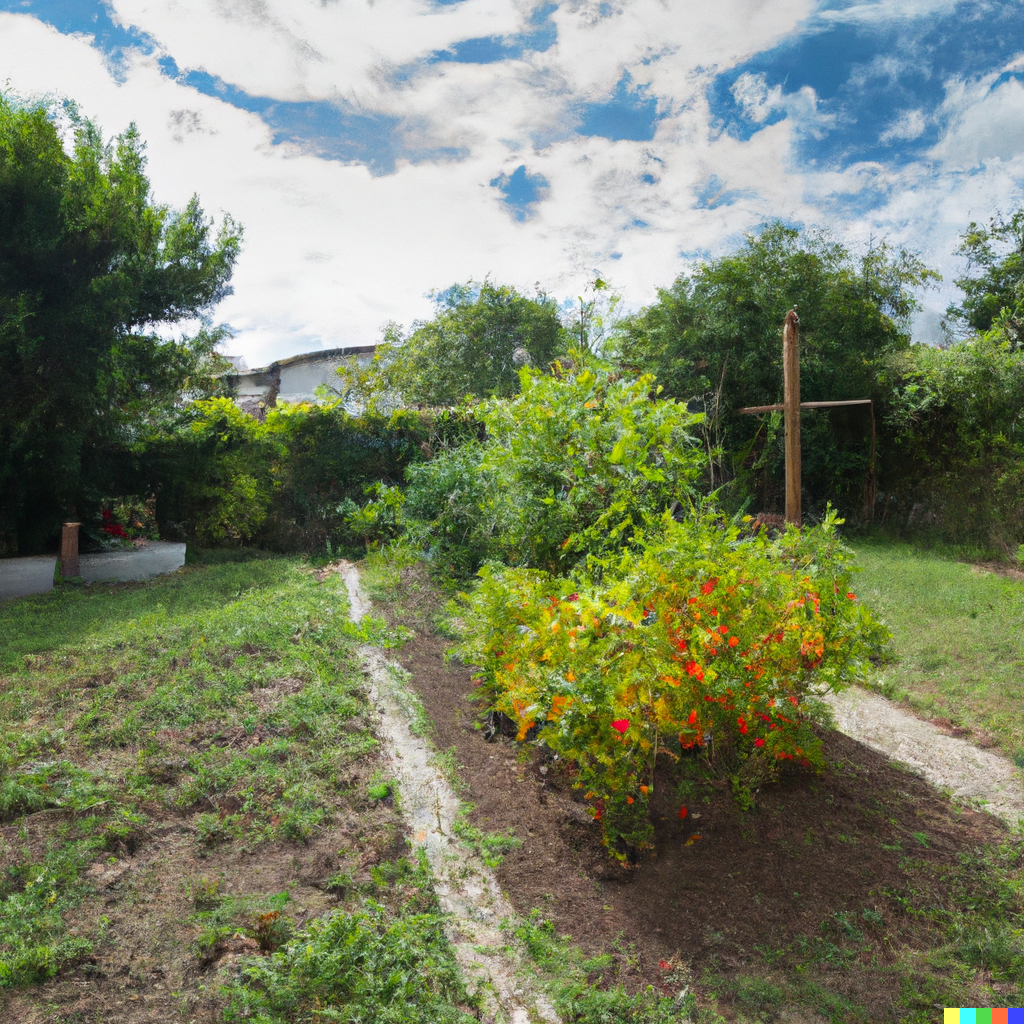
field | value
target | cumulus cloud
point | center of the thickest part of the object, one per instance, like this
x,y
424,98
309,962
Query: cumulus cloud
x,y
909,125
375,152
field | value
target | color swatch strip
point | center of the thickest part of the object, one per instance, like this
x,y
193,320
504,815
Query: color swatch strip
x,y
1011,1015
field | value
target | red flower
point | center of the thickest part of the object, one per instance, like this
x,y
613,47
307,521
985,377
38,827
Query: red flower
x,y
723,630
693,717
573,597
709,586
682,812
742,725
620,725
664,965
733,641
691,600
759,742
852,597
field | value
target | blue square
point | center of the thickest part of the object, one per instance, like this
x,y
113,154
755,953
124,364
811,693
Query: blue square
x,y
1016,1015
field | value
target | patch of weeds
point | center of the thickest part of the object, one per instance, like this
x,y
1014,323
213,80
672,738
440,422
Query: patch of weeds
x,y
271,931
380,788
835,1008
402,886
755,995
574,982
491,847
373,630
769,955
205,893
409,702
373,966
34,896
299,818
126,831
447,763
214,829
223,916
38,785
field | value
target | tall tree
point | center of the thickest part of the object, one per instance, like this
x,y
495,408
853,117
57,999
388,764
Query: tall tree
x,y
994,285
715,337
92,272
479,337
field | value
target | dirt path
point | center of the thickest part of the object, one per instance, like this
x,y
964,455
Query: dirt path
x,y
948,763
466,887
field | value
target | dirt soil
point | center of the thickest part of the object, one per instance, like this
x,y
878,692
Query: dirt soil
x,y
151,965
724,892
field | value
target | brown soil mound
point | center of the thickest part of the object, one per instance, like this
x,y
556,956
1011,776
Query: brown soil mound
x,y
724,891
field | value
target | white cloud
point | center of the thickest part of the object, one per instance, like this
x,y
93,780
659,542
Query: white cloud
x,y
984,123
331,252
909,125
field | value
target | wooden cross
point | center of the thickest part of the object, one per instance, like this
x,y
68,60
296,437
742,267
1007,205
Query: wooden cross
x,y
792,406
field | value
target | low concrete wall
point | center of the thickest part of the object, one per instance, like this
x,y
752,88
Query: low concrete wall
x,y
156,558
20,577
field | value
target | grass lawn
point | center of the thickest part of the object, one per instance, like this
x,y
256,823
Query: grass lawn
x,y
188,780
196,824
958,635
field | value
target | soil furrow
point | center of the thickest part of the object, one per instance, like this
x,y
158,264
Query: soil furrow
x,y
466,887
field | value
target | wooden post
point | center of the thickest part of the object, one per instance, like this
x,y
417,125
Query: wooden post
x,y
791,397
69,550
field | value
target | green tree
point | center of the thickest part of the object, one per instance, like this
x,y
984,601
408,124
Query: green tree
x,y
92,272
994,285
474,345
715,337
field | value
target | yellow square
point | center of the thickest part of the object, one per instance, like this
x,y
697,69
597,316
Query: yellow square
x,y
951,1016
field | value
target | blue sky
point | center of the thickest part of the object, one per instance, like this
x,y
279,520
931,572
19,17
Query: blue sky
x,y
377,151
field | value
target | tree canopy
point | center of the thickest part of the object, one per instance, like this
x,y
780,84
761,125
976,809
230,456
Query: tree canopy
x,y
994,285
715,336
475,344
92,272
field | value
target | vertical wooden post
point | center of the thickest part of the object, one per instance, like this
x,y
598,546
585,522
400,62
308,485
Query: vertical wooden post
x,y
872,483
791,388
69,550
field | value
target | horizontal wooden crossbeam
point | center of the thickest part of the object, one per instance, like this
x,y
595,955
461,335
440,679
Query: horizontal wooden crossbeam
x,y
806,405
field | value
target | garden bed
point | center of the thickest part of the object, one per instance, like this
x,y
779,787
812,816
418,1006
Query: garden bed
x,y
829,898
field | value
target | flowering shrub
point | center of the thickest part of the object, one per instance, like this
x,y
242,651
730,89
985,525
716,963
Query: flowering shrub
x,y
699,638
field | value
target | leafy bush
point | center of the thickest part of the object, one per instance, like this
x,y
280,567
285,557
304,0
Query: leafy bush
x,y
953,434
216,473
567,472
696,636
293,482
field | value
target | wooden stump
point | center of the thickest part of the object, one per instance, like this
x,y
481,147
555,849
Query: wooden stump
x,y
69,550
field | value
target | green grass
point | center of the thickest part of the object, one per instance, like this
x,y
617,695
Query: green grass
x,y
958,637
226,697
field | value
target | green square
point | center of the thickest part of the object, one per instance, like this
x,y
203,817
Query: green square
x,y
983,1016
